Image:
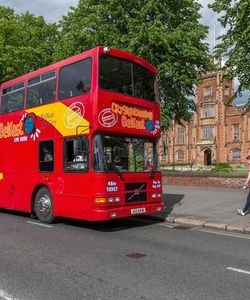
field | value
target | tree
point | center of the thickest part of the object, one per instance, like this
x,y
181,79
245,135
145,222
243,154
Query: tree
x,y
26,43
235,43
166,33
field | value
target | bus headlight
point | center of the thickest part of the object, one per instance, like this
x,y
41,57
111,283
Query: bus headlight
x,y
117,199
154,195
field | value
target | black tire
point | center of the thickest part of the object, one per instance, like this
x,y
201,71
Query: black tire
x,y
43,206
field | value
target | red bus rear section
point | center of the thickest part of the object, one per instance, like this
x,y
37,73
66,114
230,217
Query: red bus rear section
x,y
79,139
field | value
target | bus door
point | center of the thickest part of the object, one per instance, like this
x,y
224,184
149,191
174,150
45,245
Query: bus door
x,y
76,178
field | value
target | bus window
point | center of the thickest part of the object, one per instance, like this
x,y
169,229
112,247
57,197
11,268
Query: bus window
x,y
46,156
13,98
41,89
125,77
124,154
75,79
76,154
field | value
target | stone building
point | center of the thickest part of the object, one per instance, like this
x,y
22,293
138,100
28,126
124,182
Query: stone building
x,y
217,132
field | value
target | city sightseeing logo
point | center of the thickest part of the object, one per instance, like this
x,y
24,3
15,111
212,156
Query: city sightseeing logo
x,y
133,117
73,115
11,129
21,130
130,117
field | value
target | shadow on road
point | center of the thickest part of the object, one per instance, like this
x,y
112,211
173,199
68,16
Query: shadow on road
x,y
111,225
170,200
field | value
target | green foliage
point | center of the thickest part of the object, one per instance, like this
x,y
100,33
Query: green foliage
x,y
166,33
26,43
222,167
235,43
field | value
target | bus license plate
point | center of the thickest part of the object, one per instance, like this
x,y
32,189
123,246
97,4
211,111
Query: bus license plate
x,y
136,211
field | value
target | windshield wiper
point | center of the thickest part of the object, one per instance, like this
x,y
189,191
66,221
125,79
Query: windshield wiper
x,y
117,170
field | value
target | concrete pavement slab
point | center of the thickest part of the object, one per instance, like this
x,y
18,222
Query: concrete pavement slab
x,y
215,208
217,205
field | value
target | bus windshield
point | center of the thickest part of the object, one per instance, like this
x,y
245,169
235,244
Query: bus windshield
x,y
124,154
125,77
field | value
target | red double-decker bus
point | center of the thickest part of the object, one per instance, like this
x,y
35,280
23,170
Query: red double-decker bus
x,y
79,139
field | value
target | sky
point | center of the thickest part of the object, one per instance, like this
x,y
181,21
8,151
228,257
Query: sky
x,y
53,10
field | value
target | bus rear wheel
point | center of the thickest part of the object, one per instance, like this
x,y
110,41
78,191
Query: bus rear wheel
x,y
43,206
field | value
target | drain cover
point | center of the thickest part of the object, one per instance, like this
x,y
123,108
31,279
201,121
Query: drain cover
x,y
135,255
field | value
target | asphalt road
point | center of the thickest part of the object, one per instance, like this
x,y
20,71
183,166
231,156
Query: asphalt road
x,y
126,259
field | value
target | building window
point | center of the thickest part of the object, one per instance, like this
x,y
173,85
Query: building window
x,y
207,91
180,155
236,132
180,135
226,90
236,154
208,111
164,144
208,133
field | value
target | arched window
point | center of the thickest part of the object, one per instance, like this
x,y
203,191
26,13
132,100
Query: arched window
x,y
236,153
180,155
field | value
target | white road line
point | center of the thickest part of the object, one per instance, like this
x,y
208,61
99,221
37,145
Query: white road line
x,y
39,224
238,270
239,235
166,225
6,296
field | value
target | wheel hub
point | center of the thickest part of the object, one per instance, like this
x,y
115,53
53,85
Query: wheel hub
x,y
44,205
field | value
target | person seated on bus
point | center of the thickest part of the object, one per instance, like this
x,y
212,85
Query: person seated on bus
x,y
150,164
47,155
80,161
82,87
78,158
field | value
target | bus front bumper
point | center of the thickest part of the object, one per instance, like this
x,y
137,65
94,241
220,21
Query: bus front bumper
x,y
108,213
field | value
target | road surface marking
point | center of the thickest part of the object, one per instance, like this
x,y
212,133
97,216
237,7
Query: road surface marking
x,y
6,296
39,224
172,226
239,235
239,270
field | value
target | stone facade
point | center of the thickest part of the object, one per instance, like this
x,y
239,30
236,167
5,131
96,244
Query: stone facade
x,y
217,132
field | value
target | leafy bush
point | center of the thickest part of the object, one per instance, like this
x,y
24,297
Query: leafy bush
x,y
222,167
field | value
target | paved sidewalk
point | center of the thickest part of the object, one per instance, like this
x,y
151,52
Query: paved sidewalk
x,y
216,205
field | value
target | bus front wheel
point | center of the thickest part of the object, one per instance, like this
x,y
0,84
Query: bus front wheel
x,y
43,206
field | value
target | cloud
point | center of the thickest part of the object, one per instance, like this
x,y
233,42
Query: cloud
x,y
52,10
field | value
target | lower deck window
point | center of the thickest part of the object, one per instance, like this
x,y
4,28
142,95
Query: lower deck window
x,y
46,156
76,154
